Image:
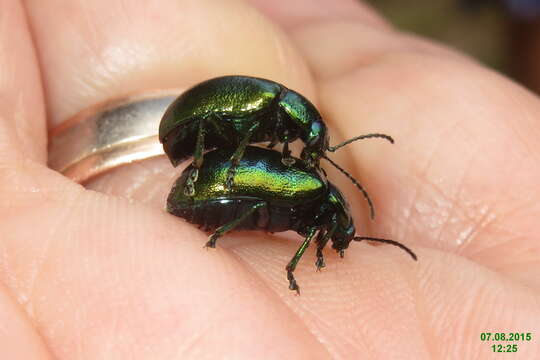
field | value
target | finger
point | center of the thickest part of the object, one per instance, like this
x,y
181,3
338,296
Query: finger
x,y
337,36
22,124
19,339
114,285
121,50
433,308
457,300
25,181
127,52
106,278
22,149
367,37
461,176
302,13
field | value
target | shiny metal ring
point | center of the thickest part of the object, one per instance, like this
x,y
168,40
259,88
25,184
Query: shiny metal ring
x,y
109,135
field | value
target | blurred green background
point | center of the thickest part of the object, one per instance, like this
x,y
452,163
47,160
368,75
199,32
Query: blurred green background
x,y
481,30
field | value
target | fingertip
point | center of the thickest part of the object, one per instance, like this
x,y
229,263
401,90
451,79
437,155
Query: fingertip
x,y
290,14
19,339
22,118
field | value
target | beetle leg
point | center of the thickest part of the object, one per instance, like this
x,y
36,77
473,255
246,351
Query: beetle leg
x,y
286,152
275,139
286,158
230,226
294,261
273,143
189,189
238,153
275,131
321,241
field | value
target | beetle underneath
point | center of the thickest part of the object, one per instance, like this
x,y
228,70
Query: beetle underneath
x,y
270,196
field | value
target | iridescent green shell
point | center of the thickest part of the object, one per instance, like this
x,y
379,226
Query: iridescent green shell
x,y
261,174
227,96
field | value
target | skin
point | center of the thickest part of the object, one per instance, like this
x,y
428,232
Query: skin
x,y
111,275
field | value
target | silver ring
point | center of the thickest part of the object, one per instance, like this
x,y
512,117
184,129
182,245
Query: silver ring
x,y
109,135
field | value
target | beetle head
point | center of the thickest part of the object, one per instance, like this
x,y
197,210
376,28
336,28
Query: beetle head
x,y
316,145
342,238
341,218
304,117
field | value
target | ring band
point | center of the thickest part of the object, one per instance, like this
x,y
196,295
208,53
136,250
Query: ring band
x,y
108,135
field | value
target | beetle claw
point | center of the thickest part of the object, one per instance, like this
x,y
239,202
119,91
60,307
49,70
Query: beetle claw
x,y
294,287
287,161
189,189
320,263
211,243
292,281
194,175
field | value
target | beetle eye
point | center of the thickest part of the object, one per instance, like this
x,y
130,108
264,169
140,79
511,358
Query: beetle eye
x,y
316,129
313,140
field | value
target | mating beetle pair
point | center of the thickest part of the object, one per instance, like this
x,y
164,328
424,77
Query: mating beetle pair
x,y
234,111
239,186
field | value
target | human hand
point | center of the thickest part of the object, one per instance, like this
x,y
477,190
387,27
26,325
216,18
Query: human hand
x,y
87,275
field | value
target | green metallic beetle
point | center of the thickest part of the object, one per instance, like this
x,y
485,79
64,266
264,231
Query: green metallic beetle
x,y
234,111
270,196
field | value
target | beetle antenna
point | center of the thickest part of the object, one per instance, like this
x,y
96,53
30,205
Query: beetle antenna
x,y
357,184
382,136
391,242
